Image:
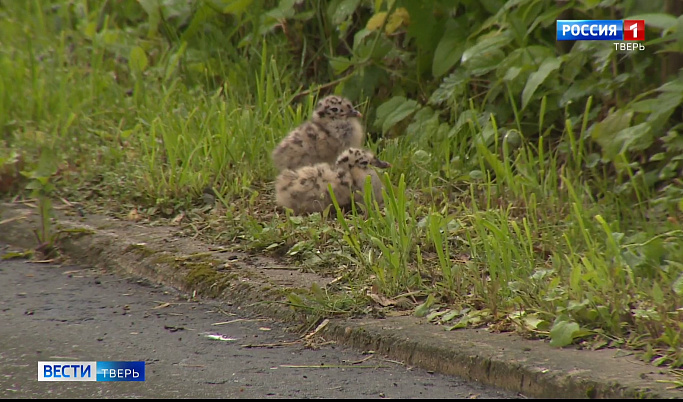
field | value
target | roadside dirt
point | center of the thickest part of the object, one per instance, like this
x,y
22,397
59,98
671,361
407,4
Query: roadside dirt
x,y
161,255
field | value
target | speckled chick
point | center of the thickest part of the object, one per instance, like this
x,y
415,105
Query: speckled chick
x,y
305,190
333,128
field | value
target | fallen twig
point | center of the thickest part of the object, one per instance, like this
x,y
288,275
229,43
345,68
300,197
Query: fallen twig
x,y
240,320
331,366
270,345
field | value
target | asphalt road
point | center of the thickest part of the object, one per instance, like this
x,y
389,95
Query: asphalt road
x,y
70,313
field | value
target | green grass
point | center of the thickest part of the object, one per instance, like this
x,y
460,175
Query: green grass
x,y
519,232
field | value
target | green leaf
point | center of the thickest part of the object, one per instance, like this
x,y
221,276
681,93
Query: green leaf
x,y
340,64
591,3
174,61
295,299
387,108
579,89
154,13
486,45
236,6
678,283
406,109
636,138
423,23
317,291
450,316
450,48
137,61
344,10
284,10
486,55
452,87
562,333
536,79
657,294
603,132
423,309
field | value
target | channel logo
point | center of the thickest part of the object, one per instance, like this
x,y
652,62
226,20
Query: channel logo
x,y
627,30
91,371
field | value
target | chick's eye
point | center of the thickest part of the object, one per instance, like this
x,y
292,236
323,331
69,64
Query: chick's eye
x,y
334,109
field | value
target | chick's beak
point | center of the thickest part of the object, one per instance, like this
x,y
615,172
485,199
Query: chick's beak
x,y
380,163
355,113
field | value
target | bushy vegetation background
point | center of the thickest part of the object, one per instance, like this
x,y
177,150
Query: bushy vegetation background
x,y
536,184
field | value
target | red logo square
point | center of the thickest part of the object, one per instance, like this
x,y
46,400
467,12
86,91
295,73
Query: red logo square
x,y
634,29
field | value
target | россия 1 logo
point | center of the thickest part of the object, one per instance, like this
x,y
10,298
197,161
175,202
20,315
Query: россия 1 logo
x,y
614,30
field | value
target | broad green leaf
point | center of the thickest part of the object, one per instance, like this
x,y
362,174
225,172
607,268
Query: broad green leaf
x,y
485,46
634,138
657,294
678,283
180,9
462,323
452,87
423,309
667,103
477,175
562,333
525,60
549,17
675,86
536,79
579,89
589,4
450,315
486,54
295,299
533,323
492,6
340,64
236,6
406,109
435,314
284,10
423,24
344,10
450,48
386,108
603,132
47,165
485,62
138,60
317,291
512,73
421,157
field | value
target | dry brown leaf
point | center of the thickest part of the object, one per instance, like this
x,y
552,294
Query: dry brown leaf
x,y
381,300
315,331
134,215
178,219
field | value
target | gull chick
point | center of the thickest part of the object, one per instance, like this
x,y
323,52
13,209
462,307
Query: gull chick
x,y
333,128
305,190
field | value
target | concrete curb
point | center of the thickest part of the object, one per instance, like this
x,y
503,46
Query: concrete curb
x,y
507,361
